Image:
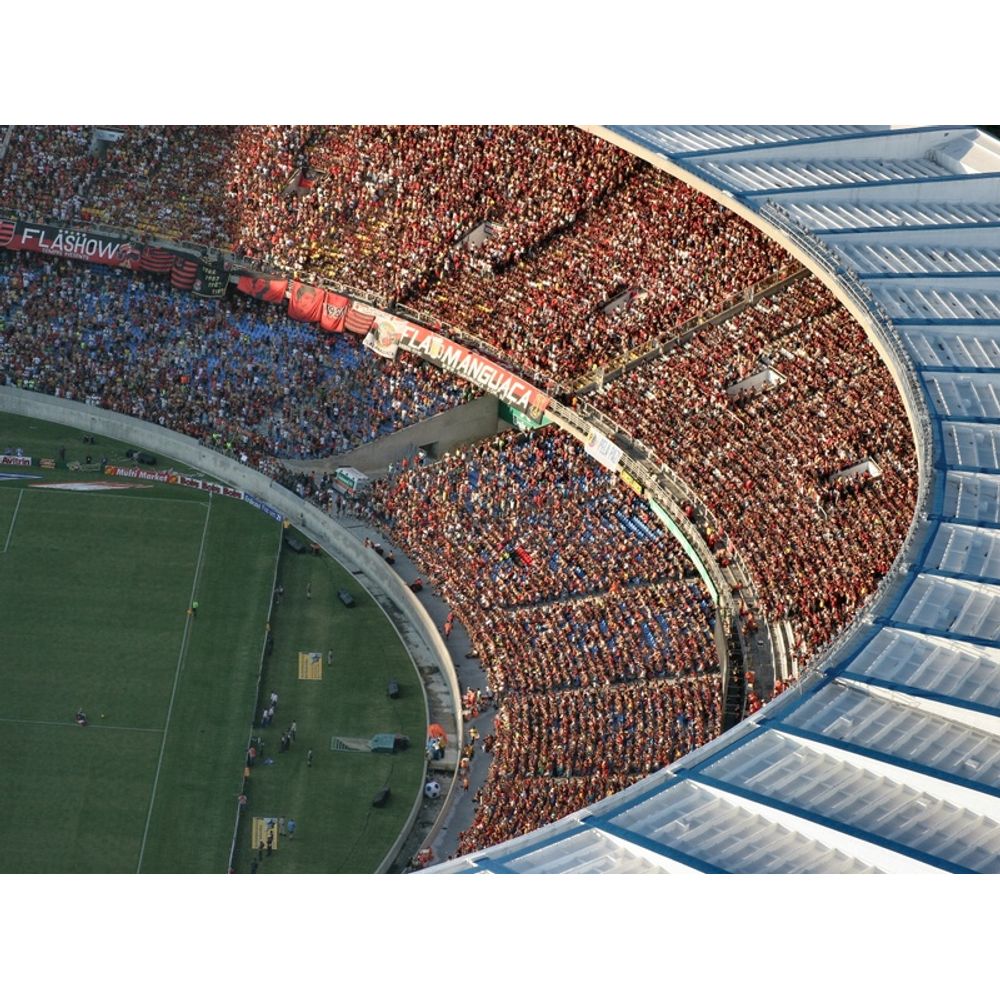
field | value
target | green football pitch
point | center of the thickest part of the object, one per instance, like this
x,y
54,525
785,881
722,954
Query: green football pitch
x,y
95,589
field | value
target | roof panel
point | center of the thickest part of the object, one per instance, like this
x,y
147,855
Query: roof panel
x,y
682,139
962,347
930,299
961,607
909,735
592,852
786,771
942,667
966,551
697,821
820,215
874,257
760,176
962,395
973,496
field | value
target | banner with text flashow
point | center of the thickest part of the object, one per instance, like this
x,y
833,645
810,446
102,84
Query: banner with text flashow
x,y
76,244
265,289
305,302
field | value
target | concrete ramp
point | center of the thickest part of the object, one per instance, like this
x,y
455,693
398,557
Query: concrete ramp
x,y
444,432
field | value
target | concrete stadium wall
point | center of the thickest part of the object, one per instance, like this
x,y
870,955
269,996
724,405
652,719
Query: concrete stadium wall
x,y
411,620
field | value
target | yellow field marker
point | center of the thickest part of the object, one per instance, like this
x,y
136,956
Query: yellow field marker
x,y
310,666
258,832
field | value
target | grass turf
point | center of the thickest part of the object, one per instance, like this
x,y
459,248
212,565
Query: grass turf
x,y
95,588
335,792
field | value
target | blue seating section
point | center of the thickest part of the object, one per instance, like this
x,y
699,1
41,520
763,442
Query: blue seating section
x,y
306,398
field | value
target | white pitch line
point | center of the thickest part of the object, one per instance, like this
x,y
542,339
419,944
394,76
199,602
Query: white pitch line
x,y
121,495
20,494
260,674
177,675
93,725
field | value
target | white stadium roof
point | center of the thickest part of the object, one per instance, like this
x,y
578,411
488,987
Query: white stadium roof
x,y
886,757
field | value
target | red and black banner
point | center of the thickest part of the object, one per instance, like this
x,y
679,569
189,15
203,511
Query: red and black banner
x,y
184,272
77,244
188,271
358,322
334,313
156,260
265,289
305,302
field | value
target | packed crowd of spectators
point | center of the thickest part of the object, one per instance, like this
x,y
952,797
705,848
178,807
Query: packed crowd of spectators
x,y
574,222
602,730
379,208
586,615
531,519
631,634
385,208
558,752
510,807
655,249
764,461
236,373
167,180
47,170
596,640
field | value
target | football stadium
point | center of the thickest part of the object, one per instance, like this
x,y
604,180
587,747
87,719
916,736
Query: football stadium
x,y
500,499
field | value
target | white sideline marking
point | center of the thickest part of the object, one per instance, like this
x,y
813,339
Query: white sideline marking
x,y
260,674
122,495
20,494
92,725
177,676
